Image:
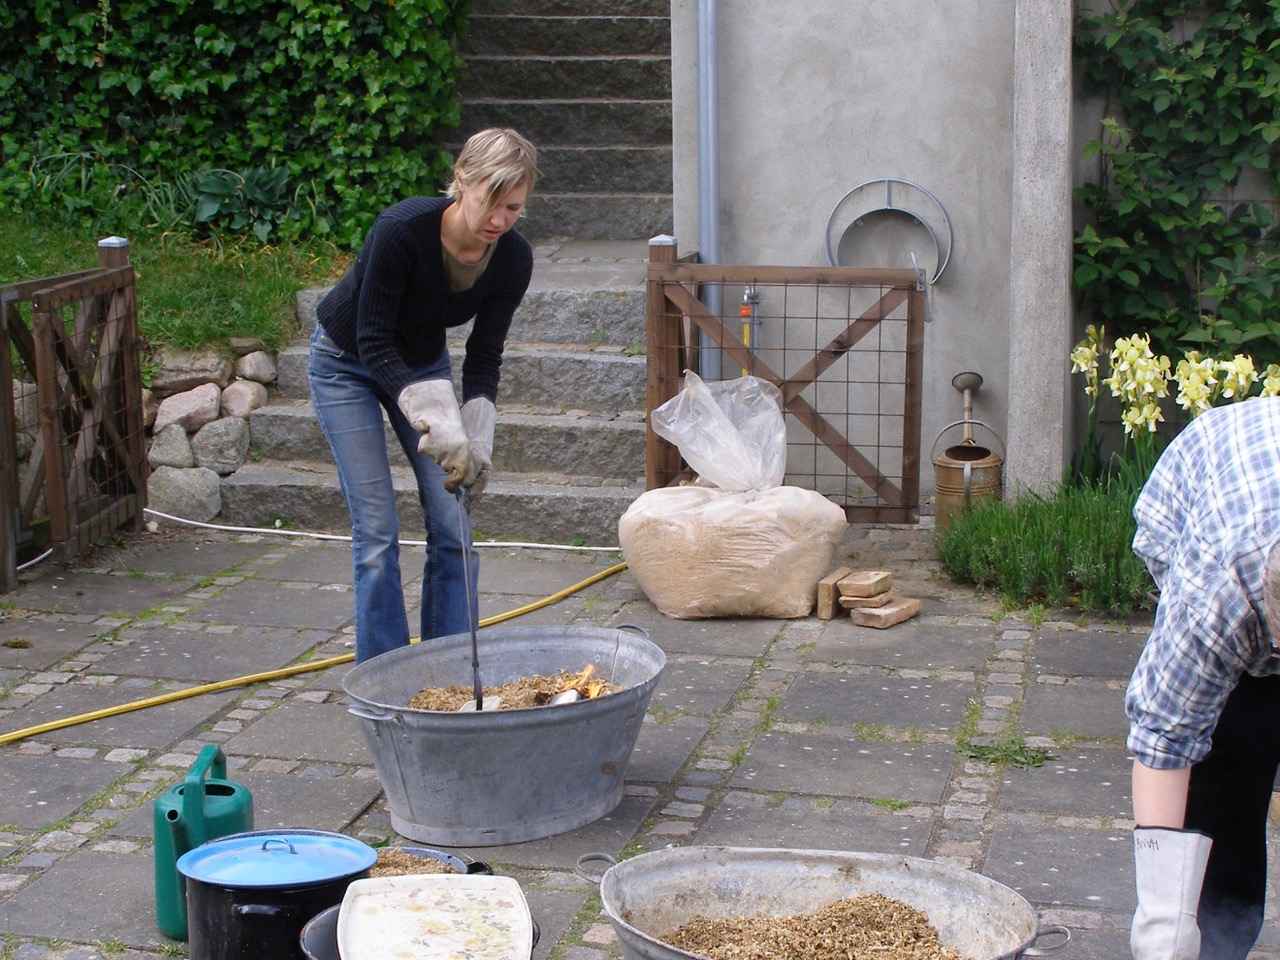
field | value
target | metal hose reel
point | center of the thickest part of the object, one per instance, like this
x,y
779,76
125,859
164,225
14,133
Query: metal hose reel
x,y
898,196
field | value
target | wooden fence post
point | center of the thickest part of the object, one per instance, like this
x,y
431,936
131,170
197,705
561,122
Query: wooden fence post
x,y
114,252
9,504
662,364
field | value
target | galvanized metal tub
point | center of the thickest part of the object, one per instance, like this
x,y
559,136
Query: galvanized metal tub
x,y
481,779
656,893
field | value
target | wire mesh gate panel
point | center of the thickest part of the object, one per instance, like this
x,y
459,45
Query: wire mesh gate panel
x,y
845,346
71,430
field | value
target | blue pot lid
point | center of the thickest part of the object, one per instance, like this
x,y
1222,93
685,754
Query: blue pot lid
x,y
265,859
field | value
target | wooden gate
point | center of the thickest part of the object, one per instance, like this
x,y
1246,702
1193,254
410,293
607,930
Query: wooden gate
x,y
84,471
841,343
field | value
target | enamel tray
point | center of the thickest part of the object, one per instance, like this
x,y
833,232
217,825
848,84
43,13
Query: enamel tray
x,y
435,917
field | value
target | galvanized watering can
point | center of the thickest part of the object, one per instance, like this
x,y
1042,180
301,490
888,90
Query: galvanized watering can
x,y
655,893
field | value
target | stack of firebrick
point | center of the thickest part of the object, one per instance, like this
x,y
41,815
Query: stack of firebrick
x,y
867,595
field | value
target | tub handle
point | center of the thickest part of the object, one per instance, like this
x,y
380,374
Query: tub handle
x,y
270,840
1054,930
586,858
358,711
633,627
537,931
933,451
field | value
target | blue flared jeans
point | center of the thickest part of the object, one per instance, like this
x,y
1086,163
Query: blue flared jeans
x,y
349,405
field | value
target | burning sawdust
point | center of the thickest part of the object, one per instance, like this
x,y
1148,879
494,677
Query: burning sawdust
x,y
866,926
532,691
396,863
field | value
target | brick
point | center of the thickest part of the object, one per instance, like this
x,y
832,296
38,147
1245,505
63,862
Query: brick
x,y
124,755
865,583
827,593
888,615
879,600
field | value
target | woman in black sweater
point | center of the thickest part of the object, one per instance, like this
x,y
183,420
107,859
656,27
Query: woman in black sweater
x,y
428,264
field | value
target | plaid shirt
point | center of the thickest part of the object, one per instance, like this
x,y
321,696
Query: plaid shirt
x,y
1207,518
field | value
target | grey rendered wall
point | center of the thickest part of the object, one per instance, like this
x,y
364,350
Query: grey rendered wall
x,y
817,97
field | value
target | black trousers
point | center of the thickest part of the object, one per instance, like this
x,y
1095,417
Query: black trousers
x,y
1229,798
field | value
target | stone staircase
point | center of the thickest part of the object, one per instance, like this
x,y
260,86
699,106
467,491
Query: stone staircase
x,y
589,81
569,450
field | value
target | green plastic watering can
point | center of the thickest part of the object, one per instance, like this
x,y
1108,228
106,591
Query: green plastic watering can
x,y
205,806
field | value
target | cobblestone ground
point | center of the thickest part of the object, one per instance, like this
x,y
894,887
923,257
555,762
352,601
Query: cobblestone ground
x,y
762,733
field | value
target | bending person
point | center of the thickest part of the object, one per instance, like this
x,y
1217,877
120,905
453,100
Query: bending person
x,y
428,264
1204,700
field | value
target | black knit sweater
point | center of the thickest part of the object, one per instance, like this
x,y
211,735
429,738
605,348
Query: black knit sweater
x,y
393,305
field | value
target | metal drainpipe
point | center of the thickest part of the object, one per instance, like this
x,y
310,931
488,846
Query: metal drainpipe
x,y
708,174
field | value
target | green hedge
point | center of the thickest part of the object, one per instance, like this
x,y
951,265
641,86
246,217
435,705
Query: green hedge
x,y
101,102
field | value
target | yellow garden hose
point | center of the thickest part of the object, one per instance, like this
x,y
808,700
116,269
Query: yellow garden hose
x,y
283,672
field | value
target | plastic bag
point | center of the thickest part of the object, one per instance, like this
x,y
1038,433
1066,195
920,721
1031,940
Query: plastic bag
x,y
702,552
731,432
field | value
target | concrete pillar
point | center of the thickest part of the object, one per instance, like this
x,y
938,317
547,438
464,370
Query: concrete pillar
x,y
1040,245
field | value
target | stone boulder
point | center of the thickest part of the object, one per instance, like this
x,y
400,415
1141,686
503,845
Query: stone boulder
x,y
242,346
193,408
242,398
223,445
150,407
305,305
171,448
25,443
180,370
259,367
193,494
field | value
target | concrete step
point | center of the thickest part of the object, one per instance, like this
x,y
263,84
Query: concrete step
x,y
573,8
550,376
627,170
583,298
646,77
597,216
545,508
573,123
527,440
568,36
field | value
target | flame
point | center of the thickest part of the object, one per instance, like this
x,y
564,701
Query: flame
x,y
587,688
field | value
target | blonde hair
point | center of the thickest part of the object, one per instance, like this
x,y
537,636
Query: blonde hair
x,y
498,159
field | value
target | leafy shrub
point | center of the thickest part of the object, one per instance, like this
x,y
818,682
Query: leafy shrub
x,y
124,99
1192,106
1072,547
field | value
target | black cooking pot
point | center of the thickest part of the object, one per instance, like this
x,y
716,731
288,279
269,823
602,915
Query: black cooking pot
x,y
250,894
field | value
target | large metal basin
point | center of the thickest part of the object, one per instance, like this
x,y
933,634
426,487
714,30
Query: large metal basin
x,y
468,779
656,893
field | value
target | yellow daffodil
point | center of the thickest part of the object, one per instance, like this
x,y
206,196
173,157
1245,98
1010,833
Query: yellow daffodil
x,y
1238,376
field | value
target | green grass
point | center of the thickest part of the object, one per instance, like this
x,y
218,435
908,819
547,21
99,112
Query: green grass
x,y
189,293
1071,548
1011,751
891,804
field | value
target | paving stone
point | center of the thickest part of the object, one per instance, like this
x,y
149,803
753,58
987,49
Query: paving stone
x,y
303,731
911,645
32,951
1089,869
701,686
1087,653
1085,709
662,748
729,637
608,834
1082,782
693,794
933,705
827,766
599,933
679,809
154,727
50,642
753,820
534,574
673,828
38,861
330,563
96,594
1097,944
570,610
281,800
38,791
77,753
262,603
553,907
112,893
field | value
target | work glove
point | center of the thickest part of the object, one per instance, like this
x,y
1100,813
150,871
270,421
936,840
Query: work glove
x,y
432,409
479,418
1170,872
